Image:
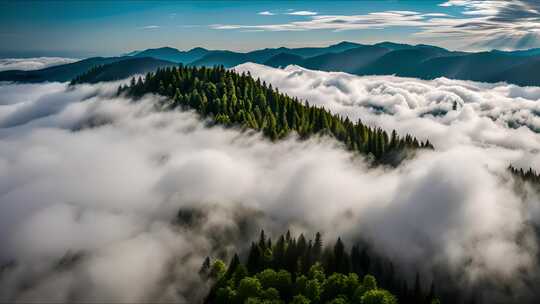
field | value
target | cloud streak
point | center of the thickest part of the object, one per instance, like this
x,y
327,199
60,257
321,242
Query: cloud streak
x,y
340,22
481,25
491,24
266,13
302,13
150,27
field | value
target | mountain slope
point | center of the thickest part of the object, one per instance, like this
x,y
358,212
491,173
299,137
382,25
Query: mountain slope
x,y
174,55
225,58
350,61
525,74
282,60
402,62
386,58
478,67
122,69
233,99
230,59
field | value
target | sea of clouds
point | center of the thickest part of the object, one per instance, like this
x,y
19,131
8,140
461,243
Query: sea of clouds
x,y
34,63
90,184
447,112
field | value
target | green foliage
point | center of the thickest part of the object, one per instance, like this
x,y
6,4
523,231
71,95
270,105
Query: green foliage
x,y
316,272
339,300
300,299
298,270
249,288
225,295
378,296
291,284
369,282
91,73
233,99
271,294
218,269
268,278
313,290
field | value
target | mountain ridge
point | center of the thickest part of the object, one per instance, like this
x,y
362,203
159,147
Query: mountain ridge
x,y
384,58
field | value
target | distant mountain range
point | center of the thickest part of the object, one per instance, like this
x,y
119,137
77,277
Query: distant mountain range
x,y
386,58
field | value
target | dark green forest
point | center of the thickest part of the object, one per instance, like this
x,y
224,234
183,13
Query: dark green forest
x,y
233,99
298,270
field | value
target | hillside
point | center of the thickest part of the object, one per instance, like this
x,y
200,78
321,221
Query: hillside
x,y
386,58
350,61
230,59
402,62
282,60
174,55
485,66
233,99
121,69
298,270
525,74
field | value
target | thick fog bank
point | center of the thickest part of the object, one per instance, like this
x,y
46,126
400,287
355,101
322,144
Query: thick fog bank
x,y
90,185
447,112
34,63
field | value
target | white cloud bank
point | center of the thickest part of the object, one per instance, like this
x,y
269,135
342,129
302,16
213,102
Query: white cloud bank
x,y
302,13
82,171
448,112
36,63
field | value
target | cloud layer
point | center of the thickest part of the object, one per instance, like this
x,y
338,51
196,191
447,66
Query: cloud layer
x,y
90,185
447,112
37,63
490,24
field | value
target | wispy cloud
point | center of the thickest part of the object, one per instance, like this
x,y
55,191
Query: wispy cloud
x,y
340,22
150,27
302,13
481,25
32,63
490,24
266,13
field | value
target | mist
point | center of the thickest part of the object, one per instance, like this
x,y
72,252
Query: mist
x,y
33,63
448,112
90,185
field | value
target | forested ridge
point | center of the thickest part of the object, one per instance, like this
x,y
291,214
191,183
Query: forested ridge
x,y
302,271
233,99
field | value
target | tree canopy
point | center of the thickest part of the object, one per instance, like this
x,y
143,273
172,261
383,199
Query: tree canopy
x,y
233,99
297,270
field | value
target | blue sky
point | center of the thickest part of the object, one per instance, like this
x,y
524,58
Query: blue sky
x,y
82,29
